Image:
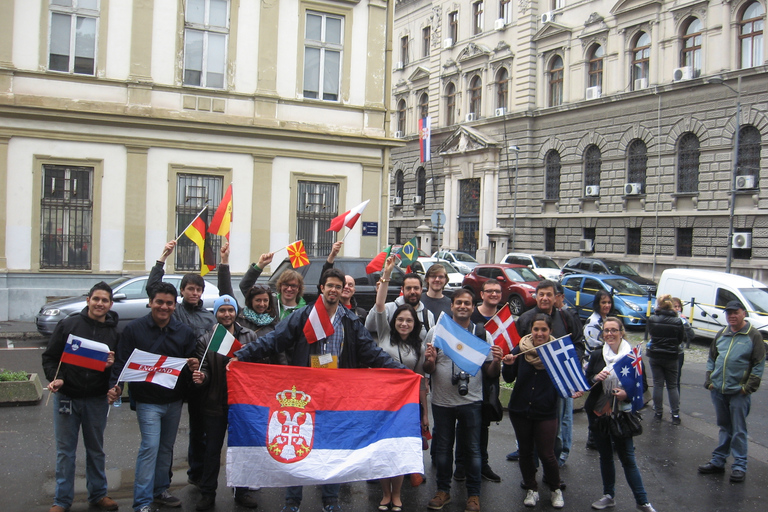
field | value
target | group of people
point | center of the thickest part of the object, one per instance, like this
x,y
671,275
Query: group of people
x,y
396,335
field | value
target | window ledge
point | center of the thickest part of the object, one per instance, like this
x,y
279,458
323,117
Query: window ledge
x,y
684,194
550,201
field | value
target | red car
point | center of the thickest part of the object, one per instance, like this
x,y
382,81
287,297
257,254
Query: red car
x,y
518,284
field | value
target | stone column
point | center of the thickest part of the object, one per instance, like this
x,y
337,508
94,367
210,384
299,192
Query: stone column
x,y
134,258
424,233
261,220
498,241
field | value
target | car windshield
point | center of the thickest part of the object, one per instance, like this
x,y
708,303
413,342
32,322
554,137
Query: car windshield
x,y
758,298
624,287
118,281
545,262
521,275
460,256
621,269
448,267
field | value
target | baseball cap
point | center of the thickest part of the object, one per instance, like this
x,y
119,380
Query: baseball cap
x,y
733,305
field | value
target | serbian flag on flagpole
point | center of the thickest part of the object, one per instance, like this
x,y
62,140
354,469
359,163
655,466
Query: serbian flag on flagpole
x,y
318,326
425,138
503,330
86,353
348,218
148,367
222,219
297,254
321,426
222,342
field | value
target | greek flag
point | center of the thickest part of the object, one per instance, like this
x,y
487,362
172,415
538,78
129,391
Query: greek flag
x,y
466,350
562,364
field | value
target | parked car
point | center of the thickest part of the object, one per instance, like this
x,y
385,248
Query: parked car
x,y
455,277
611,267
461,261
544,266
518,284
365,284
710,291
130,302
629,300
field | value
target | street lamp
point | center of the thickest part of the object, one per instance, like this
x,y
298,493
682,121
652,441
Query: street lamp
x,y
719,81
516,149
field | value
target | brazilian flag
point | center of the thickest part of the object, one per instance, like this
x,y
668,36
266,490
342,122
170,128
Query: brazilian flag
x,y
409,252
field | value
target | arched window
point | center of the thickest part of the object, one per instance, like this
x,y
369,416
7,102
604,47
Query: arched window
x,y
592,164
401,116
641,57
475,95
552,175
399,186
596,55
424,105
450,104
556,82
421,185
688,163
637,162
751,35
502,88
749,152
691,54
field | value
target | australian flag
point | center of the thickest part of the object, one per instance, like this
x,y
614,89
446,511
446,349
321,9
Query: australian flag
x,y
629,370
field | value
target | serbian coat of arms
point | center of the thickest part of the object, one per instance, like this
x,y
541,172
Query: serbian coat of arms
x,y
289,436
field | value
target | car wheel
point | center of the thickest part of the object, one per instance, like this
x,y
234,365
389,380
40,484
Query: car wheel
x,y
516,304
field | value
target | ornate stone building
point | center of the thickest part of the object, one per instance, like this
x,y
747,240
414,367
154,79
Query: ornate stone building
x,y
577,127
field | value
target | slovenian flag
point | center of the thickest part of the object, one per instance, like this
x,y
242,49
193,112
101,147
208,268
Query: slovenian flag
x,y
86,353
466,350
321,426
222,342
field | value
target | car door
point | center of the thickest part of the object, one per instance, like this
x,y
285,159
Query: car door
x,y
572,291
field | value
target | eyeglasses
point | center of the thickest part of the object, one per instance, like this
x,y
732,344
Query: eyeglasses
x,y
611,331
492,292
291,286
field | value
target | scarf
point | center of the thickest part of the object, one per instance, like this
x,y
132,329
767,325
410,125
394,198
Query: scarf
x,y
610,357
260,319
531,357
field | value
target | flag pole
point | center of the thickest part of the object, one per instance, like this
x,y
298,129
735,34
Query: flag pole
x,y
193,221
345,236
54,378
539,346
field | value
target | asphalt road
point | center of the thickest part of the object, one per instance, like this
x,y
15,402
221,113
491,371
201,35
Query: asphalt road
x,y
667,457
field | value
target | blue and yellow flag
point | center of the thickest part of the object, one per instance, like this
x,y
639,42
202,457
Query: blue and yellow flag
x,y
409,252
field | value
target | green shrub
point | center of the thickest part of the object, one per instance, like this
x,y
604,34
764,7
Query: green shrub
x,y
6,376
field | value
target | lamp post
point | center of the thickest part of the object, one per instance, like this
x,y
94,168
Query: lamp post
x,y
516,149
719,81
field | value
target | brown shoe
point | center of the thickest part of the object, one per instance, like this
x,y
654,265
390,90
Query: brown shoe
x,y
106,503
57,508
440,500
473,504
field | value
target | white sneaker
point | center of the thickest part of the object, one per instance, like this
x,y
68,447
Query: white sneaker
x,y
557,499
531,498
646,508
604,502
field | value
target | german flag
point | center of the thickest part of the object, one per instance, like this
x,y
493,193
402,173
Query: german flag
x,y
196,232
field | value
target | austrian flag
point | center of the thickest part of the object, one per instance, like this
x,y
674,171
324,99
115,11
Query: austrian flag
x,y
318,326
148,367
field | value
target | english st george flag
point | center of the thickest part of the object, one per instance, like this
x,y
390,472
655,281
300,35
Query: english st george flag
x,y
154,368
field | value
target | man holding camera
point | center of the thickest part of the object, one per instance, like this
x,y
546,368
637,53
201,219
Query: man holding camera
x,y
458,397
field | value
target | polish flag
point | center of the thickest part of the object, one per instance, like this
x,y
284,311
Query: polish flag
x,y
503,330
318,326
349,218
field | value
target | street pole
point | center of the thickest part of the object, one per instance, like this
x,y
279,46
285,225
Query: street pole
x,y
516,149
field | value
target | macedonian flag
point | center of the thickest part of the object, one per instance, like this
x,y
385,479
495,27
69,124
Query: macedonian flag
x,y
297,254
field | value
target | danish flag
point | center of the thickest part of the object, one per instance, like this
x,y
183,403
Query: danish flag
x,y
318,326
503,330
148,367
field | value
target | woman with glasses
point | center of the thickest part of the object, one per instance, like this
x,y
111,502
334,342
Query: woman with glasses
x,y
290,286
608,395
667,334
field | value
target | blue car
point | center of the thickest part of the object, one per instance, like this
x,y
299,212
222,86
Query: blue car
x,y
629,300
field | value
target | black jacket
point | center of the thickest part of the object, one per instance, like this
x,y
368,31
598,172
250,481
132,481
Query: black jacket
x,y
667,334
563,323
80,382
195,316
595,365
534,396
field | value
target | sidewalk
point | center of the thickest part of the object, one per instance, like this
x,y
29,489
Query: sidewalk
x,y
19,329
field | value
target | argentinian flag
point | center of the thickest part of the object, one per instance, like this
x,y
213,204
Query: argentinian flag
x,y
466,350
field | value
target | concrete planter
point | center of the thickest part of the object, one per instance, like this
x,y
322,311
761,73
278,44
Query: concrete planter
x,y
28,392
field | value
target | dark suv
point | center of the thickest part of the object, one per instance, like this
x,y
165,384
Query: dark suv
x,y
365,284
611,267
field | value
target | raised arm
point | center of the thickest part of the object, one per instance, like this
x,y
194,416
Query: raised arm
x,y
254,271
224,280
157,272
383,286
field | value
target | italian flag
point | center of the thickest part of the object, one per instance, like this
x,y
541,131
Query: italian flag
x,y
222,342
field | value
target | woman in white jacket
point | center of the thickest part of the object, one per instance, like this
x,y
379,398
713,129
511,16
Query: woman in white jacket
x,y
602,307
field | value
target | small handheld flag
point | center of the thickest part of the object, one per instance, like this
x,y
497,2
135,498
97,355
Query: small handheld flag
x,y
466,350
503,330
409,252
86,353
196,232
297,254
348,218
222,342
147,367
222,219
318,326
629,370
562,364
377,263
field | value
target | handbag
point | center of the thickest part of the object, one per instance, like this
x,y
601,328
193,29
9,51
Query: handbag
x,y
492,409
621,424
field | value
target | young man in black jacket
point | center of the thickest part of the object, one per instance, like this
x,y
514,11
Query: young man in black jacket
x,y
80,400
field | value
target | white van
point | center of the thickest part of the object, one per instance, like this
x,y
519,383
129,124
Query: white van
x,y
709,291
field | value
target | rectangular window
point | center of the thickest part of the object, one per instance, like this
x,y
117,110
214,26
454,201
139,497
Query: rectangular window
x,y
685,242
66,217
550,239
206,30
477,18
453,26
322,56
404,50
317,203
193,192
634,240
72,47
589,234
426,38
505,11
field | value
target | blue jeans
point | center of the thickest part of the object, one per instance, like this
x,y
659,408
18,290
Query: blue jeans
x,y
731,411
158,424
470,418
565,432
625,448
90,415
330,494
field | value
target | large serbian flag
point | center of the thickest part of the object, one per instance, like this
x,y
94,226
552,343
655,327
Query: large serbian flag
x,y
220,224
86,353
348,218
503,330
148,367
321,426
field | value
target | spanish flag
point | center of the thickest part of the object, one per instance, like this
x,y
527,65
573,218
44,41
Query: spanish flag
x,y
196,232
222,219
298,254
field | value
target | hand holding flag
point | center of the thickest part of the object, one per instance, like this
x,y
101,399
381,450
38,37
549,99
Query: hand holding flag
x,y
503,330
154,368
562,365
466,350
86,353
629,370
318,326
297,254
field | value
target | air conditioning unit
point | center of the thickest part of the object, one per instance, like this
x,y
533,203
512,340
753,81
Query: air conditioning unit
x,y
585,245
594,92
447,43
397,201
742,241
499,111
684,73
399,134
640,83
499,24
471,117
745,182
418,199
547,17
399,65
633,189
592,191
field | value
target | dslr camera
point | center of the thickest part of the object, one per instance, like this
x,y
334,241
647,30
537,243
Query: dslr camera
x,y
462,379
